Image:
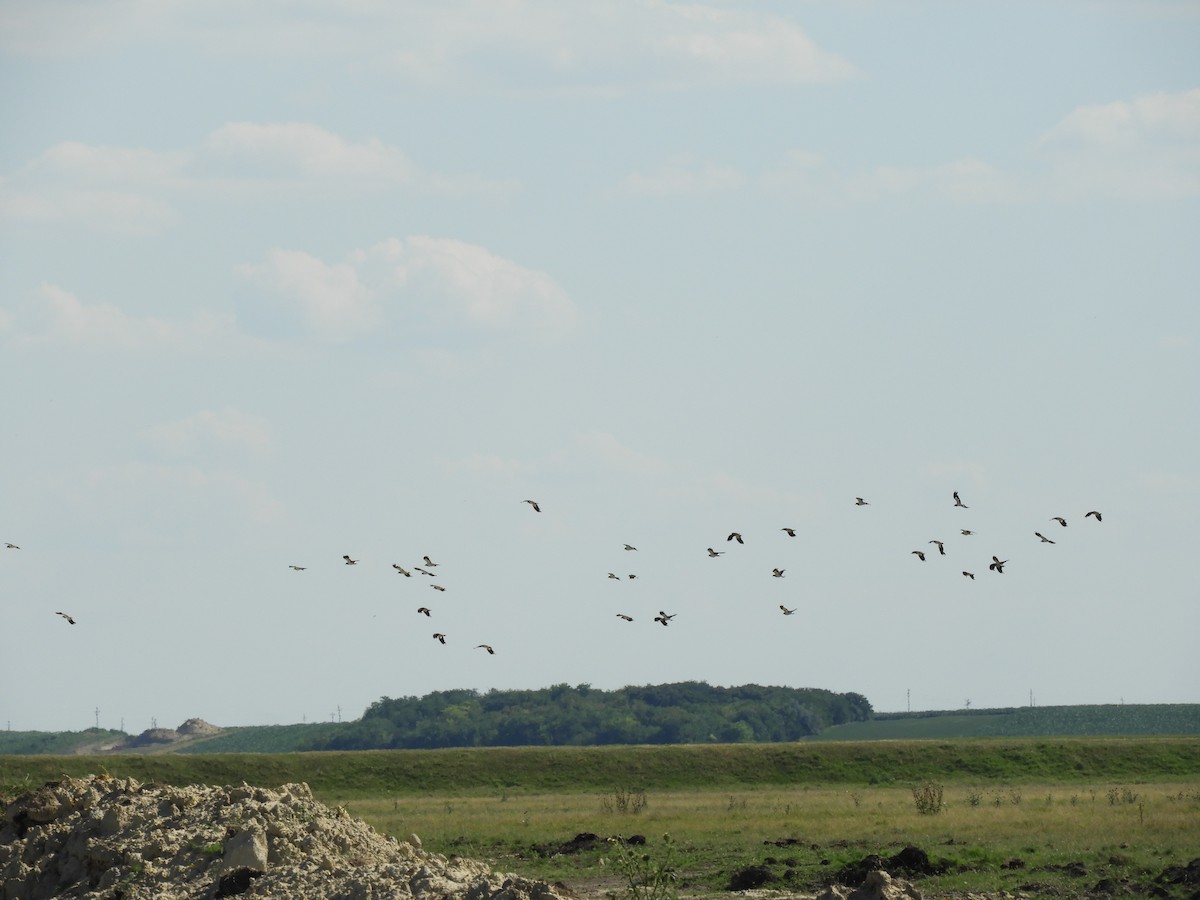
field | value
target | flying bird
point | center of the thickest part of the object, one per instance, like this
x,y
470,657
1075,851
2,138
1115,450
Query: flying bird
x,y
15,547
403,571
941,548
422,571
429,562
1099,518
631,577
625,617
919,554
777,573
349,561
791,532
970,575
424,610
958,501
665,620
297,568
70,620
534,504
786,611
437,587
859,501
998,565
614,576
715,553
441,638
1045,540
1060,520
487,647
630,547
966,532
734,536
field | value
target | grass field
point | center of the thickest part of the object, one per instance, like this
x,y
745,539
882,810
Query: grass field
x,y
1035,815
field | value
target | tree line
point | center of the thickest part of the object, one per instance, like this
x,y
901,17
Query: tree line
x,y
690,712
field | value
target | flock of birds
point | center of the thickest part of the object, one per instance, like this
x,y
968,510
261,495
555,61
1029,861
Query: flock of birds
x,y
664,618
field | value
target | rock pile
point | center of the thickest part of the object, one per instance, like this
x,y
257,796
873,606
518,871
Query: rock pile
x,y
117,839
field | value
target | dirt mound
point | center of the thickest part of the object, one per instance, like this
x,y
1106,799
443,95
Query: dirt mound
x,y
117,839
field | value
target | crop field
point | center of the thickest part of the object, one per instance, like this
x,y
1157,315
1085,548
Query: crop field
x,y
1037,816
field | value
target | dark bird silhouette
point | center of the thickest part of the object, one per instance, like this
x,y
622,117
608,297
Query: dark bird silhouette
x,y
349,561
614,576
534,504
424,610
403,571
712,552
1045,540
940,546
631,577
429,562
422,571
919,554
441,638
297,568
665,620
859,501
70,620
777,573
630,547
437,587
791,532
1060,520
958,501
1099,518
12,547
624,617
734,536
786,611
487,647
965,532
970,575
997,565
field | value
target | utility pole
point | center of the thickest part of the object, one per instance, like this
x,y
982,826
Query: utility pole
x,y
908,698
97,717
339,712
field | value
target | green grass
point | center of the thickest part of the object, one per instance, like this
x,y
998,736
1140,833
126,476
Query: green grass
x,y
1120,808
735,766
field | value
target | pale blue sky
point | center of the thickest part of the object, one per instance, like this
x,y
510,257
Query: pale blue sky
x,y
361,277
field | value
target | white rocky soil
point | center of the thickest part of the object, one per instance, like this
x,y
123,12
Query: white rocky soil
x,y
116,839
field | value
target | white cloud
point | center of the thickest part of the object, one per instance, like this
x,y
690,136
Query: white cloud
x,y
680,177
333,301
605,447
64,318
449,282
1147,148
487,464
965,180
137,190
301,149
226,427
529,45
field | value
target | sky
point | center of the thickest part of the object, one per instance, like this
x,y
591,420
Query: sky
x,y
285,281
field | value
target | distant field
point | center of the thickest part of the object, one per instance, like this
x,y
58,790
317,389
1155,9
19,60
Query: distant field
x,y
1040,721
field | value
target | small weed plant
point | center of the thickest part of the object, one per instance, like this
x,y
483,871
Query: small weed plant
x,y
625,802
928,798
648,877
